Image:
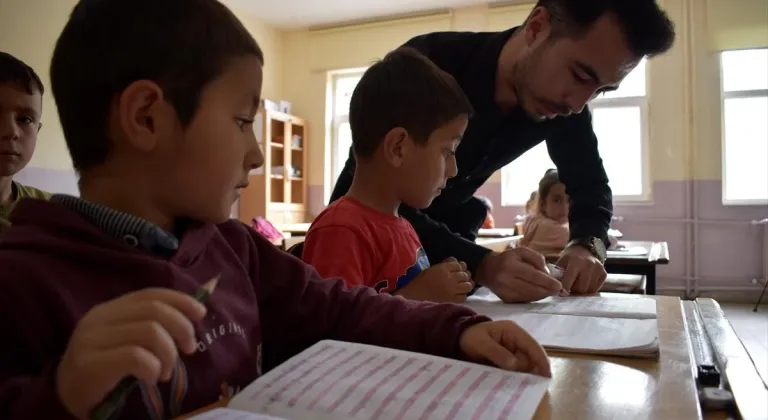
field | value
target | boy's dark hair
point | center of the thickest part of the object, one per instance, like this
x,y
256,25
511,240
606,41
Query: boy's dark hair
x,y
486,202
404,89
13,70
550,179
182,45
647,28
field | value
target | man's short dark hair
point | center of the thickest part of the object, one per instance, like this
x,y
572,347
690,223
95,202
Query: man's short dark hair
x,y
647,28
182,45
405,89
13,70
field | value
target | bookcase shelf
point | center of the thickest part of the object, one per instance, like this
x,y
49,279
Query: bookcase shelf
x,y
278,190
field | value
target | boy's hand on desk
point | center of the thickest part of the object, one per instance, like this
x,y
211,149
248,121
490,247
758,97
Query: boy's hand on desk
x,y
134,335
506,345
449,281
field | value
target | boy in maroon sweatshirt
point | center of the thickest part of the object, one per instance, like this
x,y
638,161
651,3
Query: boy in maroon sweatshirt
x,y
156,100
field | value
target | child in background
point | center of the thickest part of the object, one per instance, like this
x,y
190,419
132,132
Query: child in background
x,y
157,99
547,231
407,117
21,107
530,210
489,223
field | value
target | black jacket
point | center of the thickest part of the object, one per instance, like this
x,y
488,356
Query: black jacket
x,y
491,141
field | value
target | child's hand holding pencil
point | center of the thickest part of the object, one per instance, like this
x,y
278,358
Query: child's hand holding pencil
x,y
138,335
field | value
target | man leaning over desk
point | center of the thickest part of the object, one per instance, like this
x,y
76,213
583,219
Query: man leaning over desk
x,y
527,85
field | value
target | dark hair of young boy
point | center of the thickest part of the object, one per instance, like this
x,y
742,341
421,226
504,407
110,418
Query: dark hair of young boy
x,y
108,55
13,70
404,89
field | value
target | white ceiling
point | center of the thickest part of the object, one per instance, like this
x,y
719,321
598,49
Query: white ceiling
x,y
305,13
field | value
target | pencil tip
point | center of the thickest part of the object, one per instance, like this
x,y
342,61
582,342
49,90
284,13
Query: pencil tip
x,y
211,285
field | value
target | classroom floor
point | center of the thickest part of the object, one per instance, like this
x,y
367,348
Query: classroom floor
x,y
752,329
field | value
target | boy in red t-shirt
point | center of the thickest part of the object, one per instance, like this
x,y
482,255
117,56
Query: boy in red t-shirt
x,y
407,118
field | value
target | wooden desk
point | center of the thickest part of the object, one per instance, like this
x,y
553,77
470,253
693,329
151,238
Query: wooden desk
x,y
496,233
498,244
596,388
748,388
299,229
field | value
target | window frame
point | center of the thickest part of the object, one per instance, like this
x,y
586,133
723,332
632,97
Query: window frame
x,y
338,118
641,102
725,95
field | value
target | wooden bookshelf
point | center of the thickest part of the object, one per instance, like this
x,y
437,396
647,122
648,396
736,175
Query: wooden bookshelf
x,y
278,190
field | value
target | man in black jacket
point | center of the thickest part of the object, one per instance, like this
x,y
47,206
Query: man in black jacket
x,y
527,85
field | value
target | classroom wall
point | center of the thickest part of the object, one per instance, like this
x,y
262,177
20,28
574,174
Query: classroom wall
x,y
29,30
684,117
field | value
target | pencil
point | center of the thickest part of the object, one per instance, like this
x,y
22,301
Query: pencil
x,y
117,397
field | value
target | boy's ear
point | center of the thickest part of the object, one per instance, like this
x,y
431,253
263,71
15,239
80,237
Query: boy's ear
x,y
144,115
396,144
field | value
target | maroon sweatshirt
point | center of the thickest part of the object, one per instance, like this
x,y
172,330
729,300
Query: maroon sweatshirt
x,y
267,307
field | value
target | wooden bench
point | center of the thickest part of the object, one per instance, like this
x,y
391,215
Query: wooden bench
x,y
624,283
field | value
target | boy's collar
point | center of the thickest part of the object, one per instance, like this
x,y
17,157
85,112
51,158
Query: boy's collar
x,y
132,230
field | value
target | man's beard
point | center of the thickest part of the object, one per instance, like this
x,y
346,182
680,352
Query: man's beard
x,y
521,73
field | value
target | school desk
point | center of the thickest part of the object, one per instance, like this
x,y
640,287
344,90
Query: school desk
x,y
599,387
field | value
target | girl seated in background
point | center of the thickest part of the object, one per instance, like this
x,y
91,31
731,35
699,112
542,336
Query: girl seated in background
x,y
489,223
546,231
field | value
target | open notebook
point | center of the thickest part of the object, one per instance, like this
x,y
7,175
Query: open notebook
x,y
611,325
342,381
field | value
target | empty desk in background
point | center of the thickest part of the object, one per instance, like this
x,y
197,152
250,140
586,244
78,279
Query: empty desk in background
x,y
496,233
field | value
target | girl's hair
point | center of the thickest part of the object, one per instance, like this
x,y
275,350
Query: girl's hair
x,y
530,205
550,179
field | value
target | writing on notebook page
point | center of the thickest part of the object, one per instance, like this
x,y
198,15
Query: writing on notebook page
x,y
336,380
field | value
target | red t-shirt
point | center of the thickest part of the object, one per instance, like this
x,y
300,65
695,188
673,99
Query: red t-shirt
x,y
364,246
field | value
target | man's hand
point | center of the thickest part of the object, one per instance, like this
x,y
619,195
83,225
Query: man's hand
x,y
583,272
517,275
506,345
448,281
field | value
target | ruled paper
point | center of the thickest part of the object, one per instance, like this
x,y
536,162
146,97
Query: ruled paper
x,y
337,380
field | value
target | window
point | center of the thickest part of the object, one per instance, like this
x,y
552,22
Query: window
x,y
620,121
342,85
745,130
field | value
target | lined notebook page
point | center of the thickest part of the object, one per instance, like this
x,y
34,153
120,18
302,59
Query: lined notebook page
x,y
633,307
339,380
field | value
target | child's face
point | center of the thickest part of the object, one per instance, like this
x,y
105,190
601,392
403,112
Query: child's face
x,y
208,162
20,115
556,203
427,167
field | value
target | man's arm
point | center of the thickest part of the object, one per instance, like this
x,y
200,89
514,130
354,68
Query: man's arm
x,y
573,149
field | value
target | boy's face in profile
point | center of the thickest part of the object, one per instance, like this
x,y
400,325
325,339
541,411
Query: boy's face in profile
x,y
20,114
427,168
202,167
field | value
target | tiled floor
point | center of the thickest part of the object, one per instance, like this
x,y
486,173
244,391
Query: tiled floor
x,y
752,329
